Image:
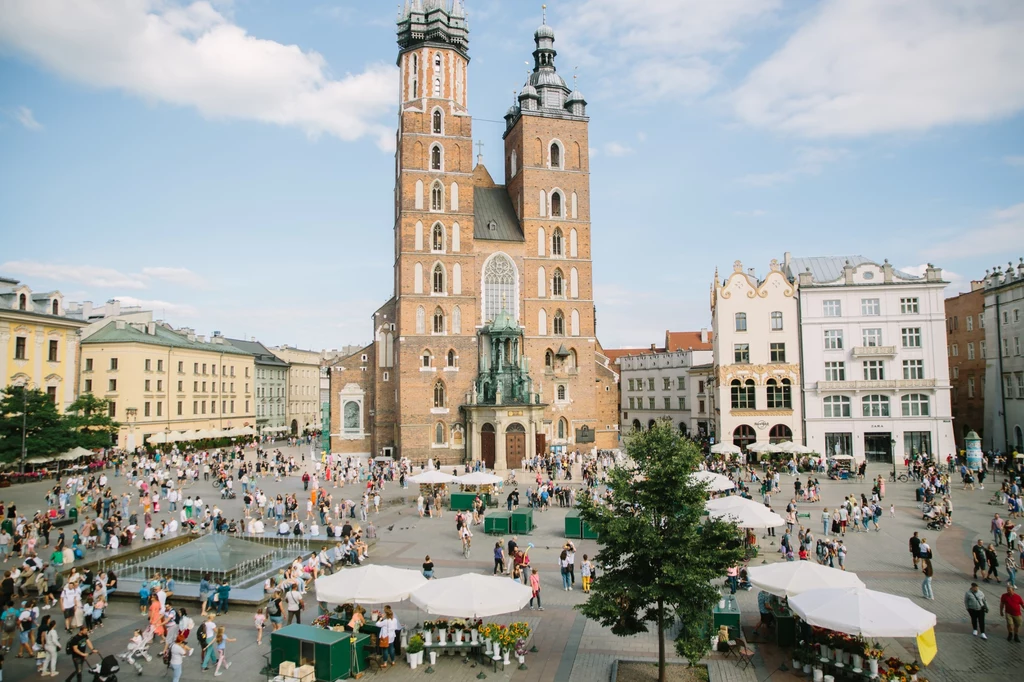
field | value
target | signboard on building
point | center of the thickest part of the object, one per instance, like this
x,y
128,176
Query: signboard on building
x,y
584,434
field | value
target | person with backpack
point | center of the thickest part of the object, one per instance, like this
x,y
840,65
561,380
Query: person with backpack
x,y
9,620
274,612
79,648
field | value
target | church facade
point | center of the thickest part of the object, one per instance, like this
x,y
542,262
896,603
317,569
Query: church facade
x,y
487,349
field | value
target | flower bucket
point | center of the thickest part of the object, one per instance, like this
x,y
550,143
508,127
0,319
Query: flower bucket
x,y
497,651
873,666
857,662
442,636
488,647
522,659
506,661
428,637
474,636
433,657
412,659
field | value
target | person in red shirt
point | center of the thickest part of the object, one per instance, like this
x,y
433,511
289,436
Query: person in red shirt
x,y
1010,606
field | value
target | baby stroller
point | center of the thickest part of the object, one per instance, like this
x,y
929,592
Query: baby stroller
x,y
106,670
138,647
227,493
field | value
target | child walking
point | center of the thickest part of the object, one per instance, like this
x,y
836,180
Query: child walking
x,y
261,621
535,585
586,571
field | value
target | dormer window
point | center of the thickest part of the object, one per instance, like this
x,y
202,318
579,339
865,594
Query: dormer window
x,y
55,306
492,226
22,302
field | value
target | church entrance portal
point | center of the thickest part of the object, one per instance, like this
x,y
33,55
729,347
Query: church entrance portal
x,y
487,445
515,445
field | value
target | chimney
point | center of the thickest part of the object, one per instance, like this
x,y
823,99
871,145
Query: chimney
x,y
151,328
201,338
86,310
806,278
120,324
252,339
848,272
654,347
786,258
887,272
934,274
704,335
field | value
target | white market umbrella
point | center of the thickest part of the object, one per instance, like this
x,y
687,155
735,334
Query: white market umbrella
x,y
864,612
434,476
158,437
371,584
249,431
760,446
472,595
725,449
716,482
790,578
802,449
743,512
479,478
188,435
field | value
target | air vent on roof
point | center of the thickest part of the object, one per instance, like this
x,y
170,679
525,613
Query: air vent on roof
x,y
492,226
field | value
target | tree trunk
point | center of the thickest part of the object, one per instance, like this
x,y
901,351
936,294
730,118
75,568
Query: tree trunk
x,y
661,640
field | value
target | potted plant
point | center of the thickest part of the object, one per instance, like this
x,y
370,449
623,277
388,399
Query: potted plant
x,y
474,633
485,635
414,652
912,669
873,654
442,631
428,632
521,651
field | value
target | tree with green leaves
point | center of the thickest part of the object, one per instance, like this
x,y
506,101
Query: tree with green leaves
x,y
89,418
32,411
658,552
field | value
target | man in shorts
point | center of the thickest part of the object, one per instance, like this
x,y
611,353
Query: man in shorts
x,y
69,598
80,648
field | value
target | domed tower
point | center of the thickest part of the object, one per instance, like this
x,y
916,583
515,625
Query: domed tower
x,y
547,174
430,318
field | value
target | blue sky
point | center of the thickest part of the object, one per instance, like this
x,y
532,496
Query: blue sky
x,y
229,162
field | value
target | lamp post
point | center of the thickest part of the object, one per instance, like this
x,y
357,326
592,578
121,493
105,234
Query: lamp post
x,y
130,413
24,426
892,454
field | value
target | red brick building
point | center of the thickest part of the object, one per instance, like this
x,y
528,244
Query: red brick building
x,y
965,334
487,349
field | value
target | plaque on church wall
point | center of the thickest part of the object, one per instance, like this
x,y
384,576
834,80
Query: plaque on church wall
x,y
515,413
584,434
351,415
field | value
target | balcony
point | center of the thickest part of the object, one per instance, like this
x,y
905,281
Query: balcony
x,y
873,351
883,385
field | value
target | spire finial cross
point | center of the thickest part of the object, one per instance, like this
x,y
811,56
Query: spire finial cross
x,y
480,147
574,76
544,14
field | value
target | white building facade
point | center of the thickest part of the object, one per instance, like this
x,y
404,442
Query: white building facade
x,y
657,386
873,351
756,379
1004,359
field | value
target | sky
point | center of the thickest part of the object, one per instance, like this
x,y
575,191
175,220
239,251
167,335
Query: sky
x,y
229,163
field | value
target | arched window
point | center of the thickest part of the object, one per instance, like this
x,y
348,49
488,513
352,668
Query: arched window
x,y
741,322
418,244
542,322
651,424
437,122
563,428
437,87
742,394
637,426
438,279
418,194
836,406
558,324
426,359
549,359
875,405
437,196
435,157
512,164
457,279
55,308
543,203
556,204
22,302
1018,438
438,321
743,436
780,433
499,287
437,237
914,405
457,320
682,428
556,240
541,282
572,359
452,358
541,241
776,395
439,394
439,433
415,76
455,196
417,278
556,155
574,282
557,287
574,323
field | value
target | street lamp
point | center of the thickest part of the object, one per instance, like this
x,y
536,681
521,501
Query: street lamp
x,y
892,453
24,425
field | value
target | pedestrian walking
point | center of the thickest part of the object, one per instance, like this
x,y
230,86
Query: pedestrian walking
x,y
993,563
1010,604
978,554
926,586
974,601
220,644
535,586
997,529
1011,568
499,558
178,652
915,548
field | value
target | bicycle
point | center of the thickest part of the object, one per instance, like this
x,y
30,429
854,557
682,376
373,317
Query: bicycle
x,y
902,478
465,547
510,479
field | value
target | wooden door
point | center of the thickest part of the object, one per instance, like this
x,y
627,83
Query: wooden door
x,y
515,449
542,443
487,445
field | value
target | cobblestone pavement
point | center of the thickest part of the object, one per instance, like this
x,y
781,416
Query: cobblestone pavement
x,y
572,649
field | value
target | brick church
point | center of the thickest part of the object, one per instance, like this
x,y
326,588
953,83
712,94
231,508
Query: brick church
x,y
488,348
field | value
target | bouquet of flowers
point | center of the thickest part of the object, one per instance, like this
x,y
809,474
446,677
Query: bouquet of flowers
x,y
496,632
321,621
429,626
485,631
506,639
874,652
519,630
441,623
520,647
912,668
457,625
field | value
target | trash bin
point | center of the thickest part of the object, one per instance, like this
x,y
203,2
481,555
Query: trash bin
x,y
73,514
522,521
498,523
573,524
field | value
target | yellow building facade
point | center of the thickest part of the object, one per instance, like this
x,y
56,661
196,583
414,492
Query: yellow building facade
x,y
303,388
38,342
162,380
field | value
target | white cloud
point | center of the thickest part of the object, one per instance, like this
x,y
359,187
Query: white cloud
x,y
664,49
161,309
859,67
617,149
1014,160
182,276
809,161
88,275
26,118
192,55
957,282
1003,233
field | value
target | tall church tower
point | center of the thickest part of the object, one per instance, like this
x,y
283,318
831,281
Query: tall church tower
x,y
433,344
547,172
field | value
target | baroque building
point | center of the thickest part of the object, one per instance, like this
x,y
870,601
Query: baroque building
x,y
487,349
1004,359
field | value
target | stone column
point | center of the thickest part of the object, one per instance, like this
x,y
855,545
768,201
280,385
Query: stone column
x,y
500,456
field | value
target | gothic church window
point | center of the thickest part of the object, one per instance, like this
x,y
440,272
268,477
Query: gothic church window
x,y
499,287
558,324
437,237
452,358
438,279
439,434
437,196
549,359
435,157
556,237
556,156
439,394
425,358
439,321
556,284
437,122
556,204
